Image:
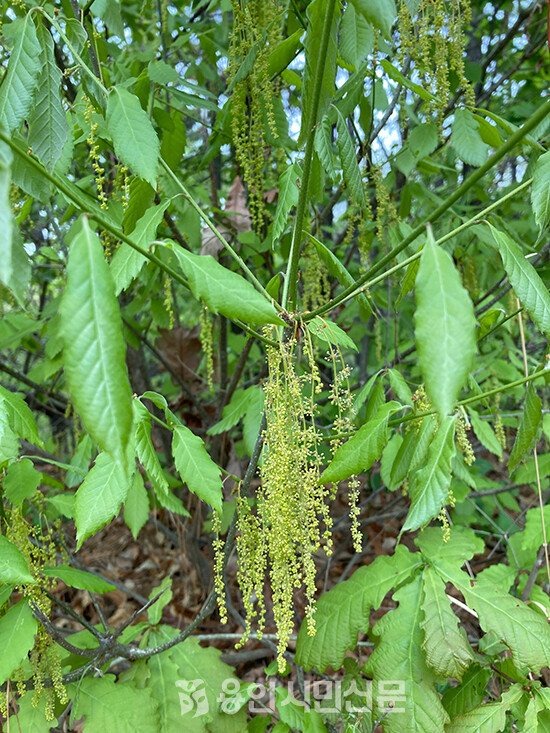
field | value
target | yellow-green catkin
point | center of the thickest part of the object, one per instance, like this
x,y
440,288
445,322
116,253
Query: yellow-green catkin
x,y
169,302
39,550
256,24
93,155
316,286
207,342
462,440
218,546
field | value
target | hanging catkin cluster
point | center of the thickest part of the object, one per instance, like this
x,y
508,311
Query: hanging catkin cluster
x,y
256,31
435,40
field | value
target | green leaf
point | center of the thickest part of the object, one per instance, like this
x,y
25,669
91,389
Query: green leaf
x,y
398,655
235,410
525,280
531,419
288,197
17,629
331,333
283,53
447,649
394,73
323,145
127,261
316,12
74,578
540,192
145,450
466,140
19,416
429,484
360,451
48,129
344,610
14,263
194,465
154,612
356,36
485,433
488,718
134,139
19,83
444,327
21,481
469,693
380,13
13,566
99,497
136,505
348,159
94,353
109,706
225,292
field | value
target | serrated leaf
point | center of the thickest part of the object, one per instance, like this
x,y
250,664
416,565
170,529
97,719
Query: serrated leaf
x,y
19,83
356,36
316,12
466,140
99,497
398,655
445,644
331,333
394,73
344,610
323,146
485,433
348,160
360,451
235,410
136,505
145,450
94,352
194,465
75,578
429,485
19,416
109,706
525,280
380,13
461,545
17,629
529,424
21,481
469,693
488,718
289,191
14,263
400,387
134,138
154,612
225,292
48,129
540,191
13,566
444,327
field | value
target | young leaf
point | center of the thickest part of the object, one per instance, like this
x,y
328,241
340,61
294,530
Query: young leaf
x,y
344,611
348,159
109,706
145,449
466,140
444,327
398,655
356,36
127,261
235,410
100,496
540,192
380,13
331,333
447,649
13,566
487,718
134,138
288,197
485,433
21,481
136,505
224,291
529,424
525,280
14,263
469,693
429,486
73,577
19,83
394,73
359,452
94,353
19,416
17,629
48,129
196,468
323,144
316,12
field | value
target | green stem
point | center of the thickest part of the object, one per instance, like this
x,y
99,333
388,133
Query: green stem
x,y
290,287
472,179
244,267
